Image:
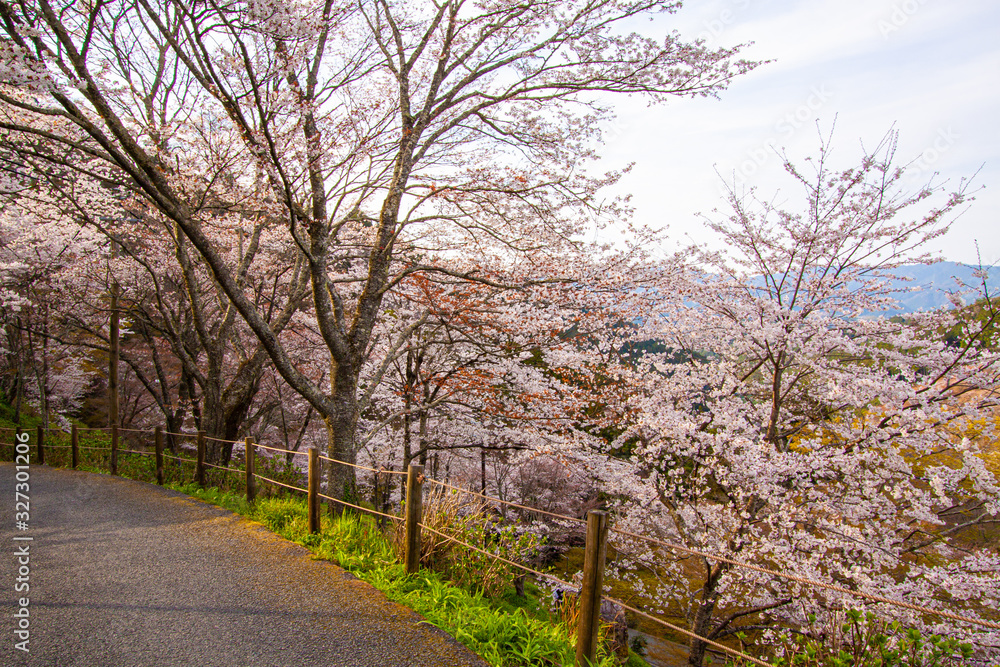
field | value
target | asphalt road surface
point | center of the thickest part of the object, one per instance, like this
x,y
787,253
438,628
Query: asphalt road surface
x,y
126,574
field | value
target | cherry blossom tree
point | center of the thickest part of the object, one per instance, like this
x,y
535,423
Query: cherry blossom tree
x,y
39,253
801,433
368,124
187,351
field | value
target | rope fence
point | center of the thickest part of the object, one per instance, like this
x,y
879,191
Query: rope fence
x,y
225,442
361,509
684,631
279,450
360,467
179,435
224,468
498,557
810,582
561,517
543,575
413,525
274,481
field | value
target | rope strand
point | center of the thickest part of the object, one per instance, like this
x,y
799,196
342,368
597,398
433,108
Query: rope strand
x,y
505,502
360,467
363,509
811,582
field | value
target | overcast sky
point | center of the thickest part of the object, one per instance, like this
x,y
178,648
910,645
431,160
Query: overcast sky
x,y
928,67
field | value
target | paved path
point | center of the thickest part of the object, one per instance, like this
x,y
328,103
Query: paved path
x,y
126,574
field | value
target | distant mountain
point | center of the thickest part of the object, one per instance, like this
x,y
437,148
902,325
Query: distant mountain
x,y
930,284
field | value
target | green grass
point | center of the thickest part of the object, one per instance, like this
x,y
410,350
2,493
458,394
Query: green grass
x,y
506,630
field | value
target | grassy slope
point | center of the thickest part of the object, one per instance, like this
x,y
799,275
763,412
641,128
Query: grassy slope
x,y
507,631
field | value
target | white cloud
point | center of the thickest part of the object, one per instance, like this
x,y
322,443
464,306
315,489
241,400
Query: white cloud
x,y
925,66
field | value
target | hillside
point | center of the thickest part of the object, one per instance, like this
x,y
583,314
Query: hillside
x,y
930,285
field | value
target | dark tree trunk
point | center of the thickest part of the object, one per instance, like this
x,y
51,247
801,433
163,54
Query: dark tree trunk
x,y
702,622
700,626
342,424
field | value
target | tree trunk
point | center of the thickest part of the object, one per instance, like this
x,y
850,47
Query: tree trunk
x,y
482,469
175,422
342,425
212,417
113,356
702,621
235,413
700,626
407,444
776,398
43,385
424,445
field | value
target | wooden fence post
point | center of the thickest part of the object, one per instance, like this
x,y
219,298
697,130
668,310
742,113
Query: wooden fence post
x,y
74,445
591,588
158,442
200,470
41,444
414,510
314,520
251,464
114,449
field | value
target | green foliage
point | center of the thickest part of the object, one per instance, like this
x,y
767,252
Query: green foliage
x,y
6,413
978,320
506,630
634,660
503,636
29,417
275,467
215,496
469,520
862,640
137,466
476,570
638,645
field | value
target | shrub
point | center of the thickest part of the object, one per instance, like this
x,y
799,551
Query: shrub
x,y
469,520
863,640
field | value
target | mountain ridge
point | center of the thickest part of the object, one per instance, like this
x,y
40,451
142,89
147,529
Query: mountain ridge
x,y
930,285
